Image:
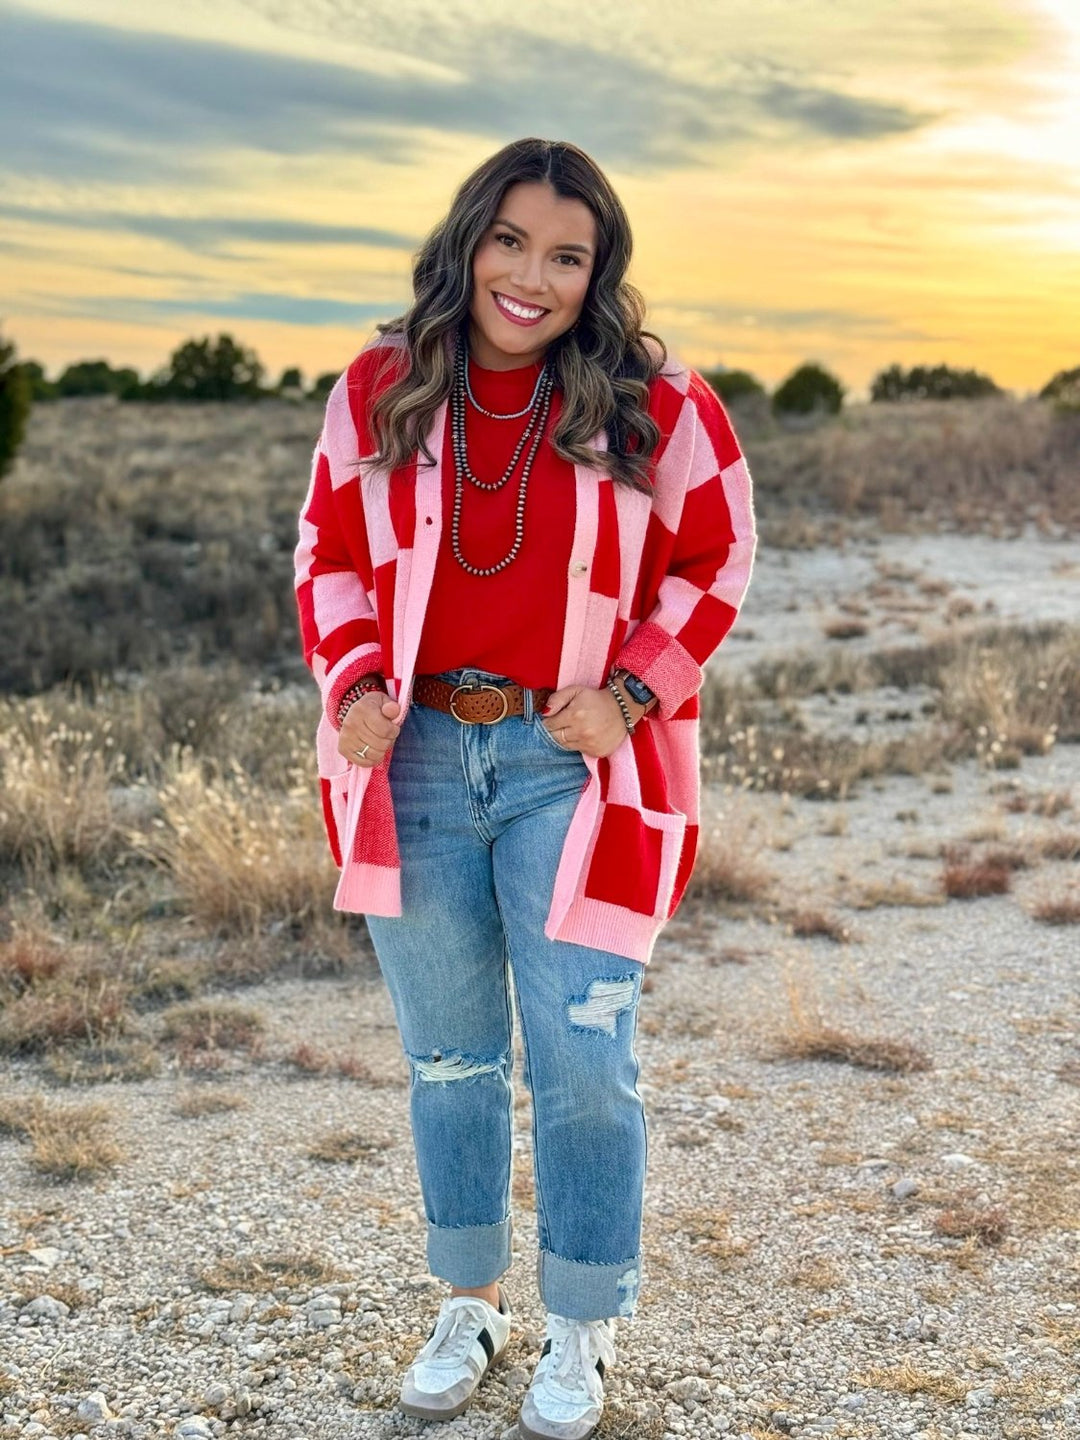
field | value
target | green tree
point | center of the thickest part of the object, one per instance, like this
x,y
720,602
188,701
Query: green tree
x,y
732,385
41,388
1063,389
808,389
925,382
14,404
322,386
209,370
291,379
96,377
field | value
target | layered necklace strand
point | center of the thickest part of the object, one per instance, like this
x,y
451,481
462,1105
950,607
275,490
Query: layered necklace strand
x,y
537,409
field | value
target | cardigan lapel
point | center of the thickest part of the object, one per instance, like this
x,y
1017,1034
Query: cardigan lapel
x,y
413,589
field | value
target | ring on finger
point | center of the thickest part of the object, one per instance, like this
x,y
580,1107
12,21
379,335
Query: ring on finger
x,y
362,753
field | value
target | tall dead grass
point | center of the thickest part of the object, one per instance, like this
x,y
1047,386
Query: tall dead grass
x,y
54,796
241,856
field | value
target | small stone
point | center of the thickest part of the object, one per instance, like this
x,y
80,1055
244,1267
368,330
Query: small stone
x,y
44,1307
956,1160
194,1427
905,1188
911,1327
215,1394
243,1402
94,1409
46,1255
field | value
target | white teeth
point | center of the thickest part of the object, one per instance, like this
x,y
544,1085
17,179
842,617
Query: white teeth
x,y
520,310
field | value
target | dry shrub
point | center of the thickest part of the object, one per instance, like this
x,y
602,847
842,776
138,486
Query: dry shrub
x,y
988,1224
808,923
241,856
709,1233
1064,845
884,894
347,1146
82,999
808,1037
95,1064
212,1025
208,1102
54,794
727,870
268,1272
68,1142
847,628
968,878
1061,909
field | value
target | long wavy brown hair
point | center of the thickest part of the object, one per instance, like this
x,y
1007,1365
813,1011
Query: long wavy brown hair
x,y
603,365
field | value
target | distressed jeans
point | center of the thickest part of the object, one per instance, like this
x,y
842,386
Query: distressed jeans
x,y
482,812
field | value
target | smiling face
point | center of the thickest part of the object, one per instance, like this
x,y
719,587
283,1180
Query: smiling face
x,y
531,271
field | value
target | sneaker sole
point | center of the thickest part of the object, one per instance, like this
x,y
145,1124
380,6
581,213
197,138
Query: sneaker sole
x,y
526,1434
427,1412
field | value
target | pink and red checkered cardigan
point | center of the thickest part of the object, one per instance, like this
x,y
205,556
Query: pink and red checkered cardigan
x,y
655,582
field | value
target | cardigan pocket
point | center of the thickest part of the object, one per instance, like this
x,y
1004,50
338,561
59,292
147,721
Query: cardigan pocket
x,y
634,860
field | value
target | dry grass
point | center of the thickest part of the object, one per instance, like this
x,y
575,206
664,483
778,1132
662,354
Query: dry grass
x,y
988,1224
68,1142
212,1025
808,923
909,1379
808,1037
54,796
898,893
1063,845
268,1272
708,1231
728,871
196,1103
127,1060
241,856
846,628
965,877
347,1146
51,994
1061,909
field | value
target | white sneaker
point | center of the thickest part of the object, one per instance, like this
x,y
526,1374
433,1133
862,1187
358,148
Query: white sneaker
x,y
566,1396
465,1341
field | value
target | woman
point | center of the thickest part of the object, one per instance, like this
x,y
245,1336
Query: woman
x,y
526,532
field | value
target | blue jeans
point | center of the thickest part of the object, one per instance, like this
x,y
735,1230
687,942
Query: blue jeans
x,y
482,812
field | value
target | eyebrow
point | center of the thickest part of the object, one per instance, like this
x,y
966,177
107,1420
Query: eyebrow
x,y
584,249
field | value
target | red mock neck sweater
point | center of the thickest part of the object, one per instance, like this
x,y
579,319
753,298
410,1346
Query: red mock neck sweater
x,y
510,623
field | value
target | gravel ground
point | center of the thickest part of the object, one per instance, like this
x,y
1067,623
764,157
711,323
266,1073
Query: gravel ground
x,y
794,1281
222,1281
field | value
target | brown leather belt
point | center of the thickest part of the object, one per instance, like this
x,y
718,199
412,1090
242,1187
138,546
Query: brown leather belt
x,y
476,704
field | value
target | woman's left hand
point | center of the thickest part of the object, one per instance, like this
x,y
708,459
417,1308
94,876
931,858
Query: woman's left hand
x,y
587,720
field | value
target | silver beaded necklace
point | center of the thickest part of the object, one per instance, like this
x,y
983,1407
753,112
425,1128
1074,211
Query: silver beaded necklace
x,y
494,415
539,407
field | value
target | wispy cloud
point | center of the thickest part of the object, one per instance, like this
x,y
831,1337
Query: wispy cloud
x,y
281,308
108,103
212,235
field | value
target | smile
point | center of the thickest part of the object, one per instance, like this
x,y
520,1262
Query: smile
x,y
518,313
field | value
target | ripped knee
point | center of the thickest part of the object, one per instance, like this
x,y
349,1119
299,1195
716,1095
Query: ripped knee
x,y
445,1065
602,1004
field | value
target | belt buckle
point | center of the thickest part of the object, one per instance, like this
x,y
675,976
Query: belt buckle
x,y
471,690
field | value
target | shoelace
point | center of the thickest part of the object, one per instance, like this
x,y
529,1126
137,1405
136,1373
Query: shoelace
x,y
453,1334
576,1345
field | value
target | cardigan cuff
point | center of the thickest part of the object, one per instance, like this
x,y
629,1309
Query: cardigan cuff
x,y
364,662
667,668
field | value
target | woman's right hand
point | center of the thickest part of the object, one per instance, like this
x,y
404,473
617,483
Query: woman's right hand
x,y
369,722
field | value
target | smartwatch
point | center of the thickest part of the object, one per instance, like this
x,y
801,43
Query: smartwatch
x,y
637,689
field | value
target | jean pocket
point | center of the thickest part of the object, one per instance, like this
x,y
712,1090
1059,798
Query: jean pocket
x,y
546,735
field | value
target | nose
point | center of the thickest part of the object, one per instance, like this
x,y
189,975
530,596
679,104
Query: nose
x,y
528,272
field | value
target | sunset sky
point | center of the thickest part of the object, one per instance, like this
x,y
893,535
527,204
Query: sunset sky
x,y
848,181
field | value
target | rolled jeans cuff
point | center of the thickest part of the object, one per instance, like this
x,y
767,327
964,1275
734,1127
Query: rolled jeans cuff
x,y
585,1291
469,1255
